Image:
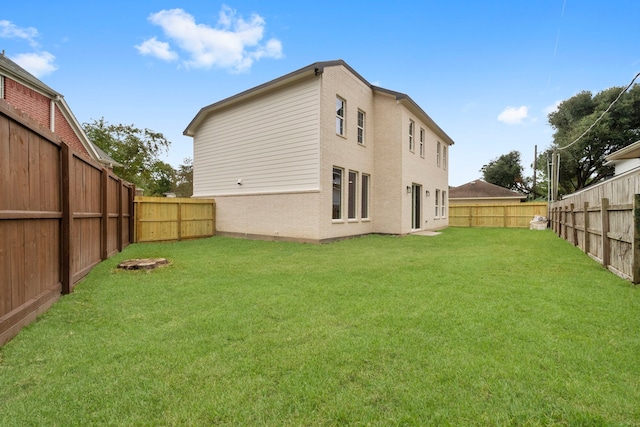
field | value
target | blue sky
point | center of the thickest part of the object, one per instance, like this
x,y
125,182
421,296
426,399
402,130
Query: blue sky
x,y
488,72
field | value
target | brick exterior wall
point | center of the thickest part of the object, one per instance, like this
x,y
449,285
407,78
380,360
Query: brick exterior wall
x,y
31,102
63,130
38,106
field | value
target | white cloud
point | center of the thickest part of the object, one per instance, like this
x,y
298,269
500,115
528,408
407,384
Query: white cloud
x,y
552,108
160,50
9,30
233,43
513,115
38,64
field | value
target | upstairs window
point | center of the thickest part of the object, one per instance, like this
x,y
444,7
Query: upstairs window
x,y
438,153
411,142
421,142
340,115
444,157
361,122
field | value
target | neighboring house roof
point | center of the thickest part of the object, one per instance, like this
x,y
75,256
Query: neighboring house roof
x,y
480,189
313,69
624,160
631,151
22,76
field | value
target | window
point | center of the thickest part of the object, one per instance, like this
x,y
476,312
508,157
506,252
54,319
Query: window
x,y
1,87
444,157
421,142
438,154
364,199
360,127
352,196
337,194
340,116
437,201
411,126
443,212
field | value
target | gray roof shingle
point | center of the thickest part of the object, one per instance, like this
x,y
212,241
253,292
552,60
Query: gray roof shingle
x,y
482,189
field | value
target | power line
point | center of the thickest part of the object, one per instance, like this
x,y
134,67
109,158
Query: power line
x,y
601,115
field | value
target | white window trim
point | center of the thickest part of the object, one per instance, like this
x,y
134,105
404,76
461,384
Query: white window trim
x,y
1,87
444,156
422,142
341,219
353,193
438,150
443,210
412,142
363,127
343,118
362,179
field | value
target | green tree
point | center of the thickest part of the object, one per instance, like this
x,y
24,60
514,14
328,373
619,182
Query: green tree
x,y
506,171
162,179
183,184
582,162
138,151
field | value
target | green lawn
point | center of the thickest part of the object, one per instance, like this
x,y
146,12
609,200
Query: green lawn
x,y
472,327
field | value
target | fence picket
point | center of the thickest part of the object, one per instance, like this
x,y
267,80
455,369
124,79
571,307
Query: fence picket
x,y
50,233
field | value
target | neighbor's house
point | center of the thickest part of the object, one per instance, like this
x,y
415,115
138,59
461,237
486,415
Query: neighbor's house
x,y
482,192
24,92
320,154
626,159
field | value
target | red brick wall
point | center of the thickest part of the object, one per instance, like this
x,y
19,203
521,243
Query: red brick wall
x,y
64,131
31,102
38,106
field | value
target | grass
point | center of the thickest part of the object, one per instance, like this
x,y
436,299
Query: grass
x,y
472,327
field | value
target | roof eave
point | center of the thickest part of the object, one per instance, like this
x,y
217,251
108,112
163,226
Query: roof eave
x,y
631,151
412,105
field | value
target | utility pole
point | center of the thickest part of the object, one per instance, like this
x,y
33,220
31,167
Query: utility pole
x,y
535,168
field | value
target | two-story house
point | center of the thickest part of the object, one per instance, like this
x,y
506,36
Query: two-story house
x,y
23,91
320,154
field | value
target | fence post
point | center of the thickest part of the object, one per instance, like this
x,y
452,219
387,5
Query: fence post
x,y
104,224
574,232
606,247
137,207
179,221
563,223
67,218
120,214
586,239
635,245
132,212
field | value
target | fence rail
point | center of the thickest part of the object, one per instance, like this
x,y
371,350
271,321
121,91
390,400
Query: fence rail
x,y
164,218
604,221
60,215
516,215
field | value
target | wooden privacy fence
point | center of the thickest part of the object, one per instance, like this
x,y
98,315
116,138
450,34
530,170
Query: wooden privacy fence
x,y
166,218
516,215
604,221
60,215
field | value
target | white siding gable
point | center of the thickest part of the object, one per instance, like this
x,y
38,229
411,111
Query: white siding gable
x,y
270,143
